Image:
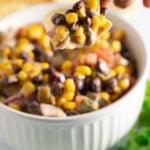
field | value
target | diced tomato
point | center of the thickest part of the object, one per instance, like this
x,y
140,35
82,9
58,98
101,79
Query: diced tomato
x,y
78,100
106,55
91,59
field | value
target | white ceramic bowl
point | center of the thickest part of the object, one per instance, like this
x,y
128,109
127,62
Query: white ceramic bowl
x,y
93,131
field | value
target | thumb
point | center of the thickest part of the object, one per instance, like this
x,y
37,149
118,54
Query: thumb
x,y
104,4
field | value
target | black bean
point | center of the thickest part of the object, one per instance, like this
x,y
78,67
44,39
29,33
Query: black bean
x,y
32,107
88,40
90,13
58,19
87,85
78,5
16,69
37,79
38,52
89,37
56,76
40,55
47,70
110,84
69,11
102,67
56,88
96,85
24,55
71,112
86,22
79,83
104,10
73,27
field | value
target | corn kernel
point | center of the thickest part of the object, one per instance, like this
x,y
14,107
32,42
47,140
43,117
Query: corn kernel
x,y
14,106
55,41
96,22
61,101
69,86
105,96
116,46
103,44
24,47
17,62
106,35
82,12
102,19
114,97
79,31
44,41
62,32
46,78
92,4
118,34
120,69
71,18
107,25
52,99
28,89
34,72
6,68
117,90
67,65
112,73
79,39
22,75
68,96
6,52
45,65
23,40
31,54
124,83
35,31
85,70
69,105
43,94
27,67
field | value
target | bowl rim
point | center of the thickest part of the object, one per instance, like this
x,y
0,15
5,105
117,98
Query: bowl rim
x,y
93,114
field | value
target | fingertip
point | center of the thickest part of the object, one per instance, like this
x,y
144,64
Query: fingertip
x,y
146,3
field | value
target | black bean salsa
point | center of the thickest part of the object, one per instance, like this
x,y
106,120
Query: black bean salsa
x,y
78,27
38,80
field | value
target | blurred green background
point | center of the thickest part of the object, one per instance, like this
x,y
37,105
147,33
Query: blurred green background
x,y
139,136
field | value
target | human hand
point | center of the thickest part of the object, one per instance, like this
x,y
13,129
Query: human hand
x,y
120,3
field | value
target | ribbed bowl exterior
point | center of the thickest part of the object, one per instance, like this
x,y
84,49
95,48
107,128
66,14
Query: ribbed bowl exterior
x,y
91,134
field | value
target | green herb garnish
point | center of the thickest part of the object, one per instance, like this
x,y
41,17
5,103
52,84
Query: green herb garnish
x,y
139,136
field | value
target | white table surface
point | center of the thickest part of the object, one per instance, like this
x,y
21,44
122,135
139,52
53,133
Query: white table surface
x,y
136,15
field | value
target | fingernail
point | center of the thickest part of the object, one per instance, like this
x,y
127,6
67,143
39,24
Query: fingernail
x,y
123,3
